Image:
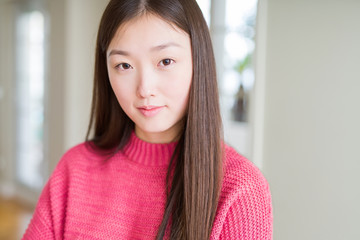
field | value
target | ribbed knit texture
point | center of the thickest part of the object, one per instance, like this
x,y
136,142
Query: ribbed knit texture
x,y
123,197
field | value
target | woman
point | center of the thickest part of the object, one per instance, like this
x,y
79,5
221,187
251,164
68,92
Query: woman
x,y
155,166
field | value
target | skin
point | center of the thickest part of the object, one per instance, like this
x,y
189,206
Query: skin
x,y
150,66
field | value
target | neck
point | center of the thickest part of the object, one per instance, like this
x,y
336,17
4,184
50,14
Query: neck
x,y
167,136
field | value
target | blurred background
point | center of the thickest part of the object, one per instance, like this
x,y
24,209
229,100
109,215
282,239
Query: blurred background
x,y
289,78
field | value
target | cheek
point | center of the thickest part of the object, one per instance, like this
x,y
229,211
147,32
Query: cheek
x,y
180,83
121,92
178,91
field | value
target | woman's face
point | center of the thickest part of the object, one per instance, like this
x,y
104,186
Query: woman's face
x,y
150,70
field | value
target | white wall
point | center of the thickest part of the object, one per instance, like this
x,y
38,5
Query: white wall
x,y
73,30
310,132
82,22
6,99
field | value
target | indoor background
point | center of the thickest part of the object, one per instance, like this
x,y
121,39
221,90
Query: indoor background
x,y
289,78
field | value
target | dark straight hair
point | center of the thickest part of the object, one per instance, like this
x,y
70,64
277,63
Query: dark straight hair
x,y
193,195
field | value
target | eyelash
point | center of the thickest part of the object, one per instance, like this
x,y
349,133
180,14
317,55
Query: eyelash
x,y
121,65
171,61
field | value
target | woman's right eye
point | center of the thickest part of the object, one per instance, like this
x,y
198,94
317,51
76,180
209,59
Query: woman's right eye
x,y
123,66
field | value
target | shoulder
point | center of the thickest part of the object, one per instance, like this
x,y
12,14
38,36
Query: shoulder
x,y
240,173
82,149
243,183
82,152
77,159
75,168
242,179
244,207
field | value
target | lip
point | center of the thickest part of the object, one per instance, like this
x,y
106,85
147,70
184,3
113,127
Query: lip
x,y
150,111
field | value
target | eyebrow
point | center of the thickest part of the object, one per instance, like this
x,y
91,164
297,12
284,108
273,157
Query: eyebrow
x,y
155,48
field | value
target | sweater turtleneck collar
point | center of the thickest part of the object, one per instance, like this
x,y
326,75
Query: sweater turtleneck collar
x,y
148,154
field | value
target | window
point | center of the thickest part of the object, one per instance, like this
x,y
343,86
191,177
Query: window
x,y
239,46
237,78
30,82
205,8
232,29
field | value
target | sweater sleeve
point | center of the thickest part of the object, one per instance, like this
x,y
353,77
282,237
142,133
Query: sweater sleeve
x,y
250,215
47,222
41,226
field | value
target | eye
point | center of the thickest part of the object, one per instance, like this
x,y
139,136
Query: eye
x,y
166,62
123,66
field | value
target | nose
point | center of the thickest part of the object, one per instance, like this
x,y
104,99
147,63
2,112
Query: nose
x,y
144,92
146,84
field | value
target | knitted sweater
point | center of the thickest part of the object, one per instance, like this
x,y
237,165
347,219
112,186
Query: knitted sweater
x,y
123,197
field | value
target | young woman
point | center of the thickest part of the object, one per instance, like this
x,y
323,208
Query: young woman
x,y
155,165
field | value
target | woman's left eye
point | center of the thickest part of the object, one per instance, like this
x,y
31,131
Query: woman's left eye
x,y
166,62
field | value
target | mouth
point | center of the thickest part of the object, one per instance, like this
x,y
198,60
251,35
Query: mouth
x,y
150,111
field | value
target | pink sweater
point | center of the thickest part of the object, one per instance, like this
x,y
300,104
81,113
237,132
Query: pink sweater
x,y
124,197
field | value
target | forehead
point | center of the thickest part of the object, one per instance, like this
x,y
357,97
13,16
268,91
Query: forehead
x,y
149,19
148,29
